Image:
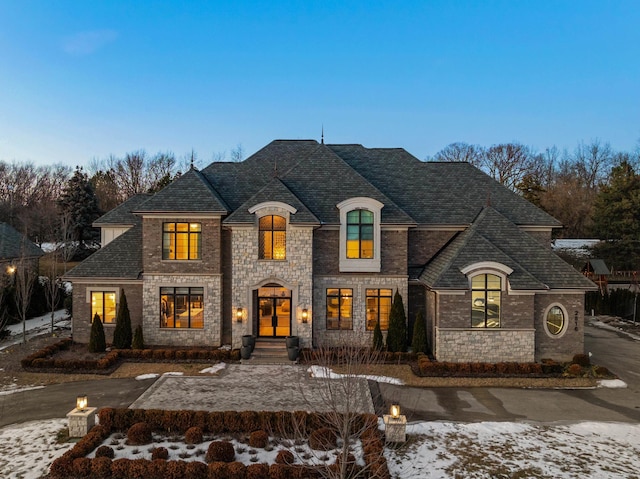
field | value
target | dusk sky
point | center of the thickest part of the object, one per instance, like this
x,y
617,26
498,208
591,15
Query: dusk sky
x,y
84,79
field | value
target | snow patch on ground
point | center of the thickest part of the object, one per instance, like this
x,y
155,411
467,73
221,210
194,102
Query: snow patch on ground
x,y
36,326
174,373
327,373
214,369
609,327
612,384
142,377
12,389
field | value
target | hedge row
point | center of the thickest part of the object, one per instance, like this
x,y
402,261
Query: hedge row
x,y
45,358
75,464
428,367
338,355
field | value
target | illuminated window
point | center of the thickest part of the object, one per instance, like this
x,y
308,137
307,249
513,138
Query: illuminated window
x,y
181,241
555,321
103,303
339,308
273,237
485,301
359,234
181,308
378,308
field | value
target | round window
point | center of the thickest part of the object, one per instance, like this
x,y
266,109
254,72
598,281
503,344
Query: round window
x,y
555,320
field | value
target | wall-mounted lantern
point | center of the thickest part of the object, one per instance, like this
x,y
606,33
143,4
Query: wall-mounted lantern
x,y
239,315
305,315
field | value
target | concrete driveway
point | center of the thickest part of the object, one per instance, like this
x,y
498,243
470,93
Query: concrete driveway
x,y
616,351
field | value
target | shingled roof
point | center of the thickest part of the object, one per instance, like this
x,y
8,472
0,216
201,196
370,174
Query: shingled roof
x,y
122,214
14,244
492,237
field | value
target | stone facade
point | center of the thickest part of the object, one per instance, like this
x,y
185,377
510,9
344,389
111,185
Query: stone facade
x,y
82,307
209,335
249,273
359,283
492,345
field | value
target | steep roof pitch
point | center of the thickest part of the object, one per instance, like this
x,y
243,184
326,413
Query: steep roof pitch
x,y
190,193
120,259
122,214
13,244
438,192
275,190
492,237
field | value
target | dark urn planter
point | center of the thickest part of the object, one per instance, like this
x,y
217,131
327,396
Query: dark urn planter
x,y
293,353
245,352
249,340
293,342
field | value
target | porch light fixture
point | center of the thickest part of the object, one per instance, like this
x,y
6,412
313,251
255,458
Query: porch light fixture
x,y
82,402
395,411
305,315
239,315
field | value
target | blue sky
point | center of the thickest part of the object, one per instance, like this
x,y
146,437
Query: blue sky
x,y
85,79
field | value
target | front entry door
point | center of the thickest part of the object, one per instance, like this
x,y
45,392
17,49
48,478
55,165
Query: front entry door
x,y
274,312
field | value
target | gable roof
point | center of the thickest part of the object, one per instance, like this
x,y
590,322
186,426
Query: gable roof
x,y
120,259
122,214
492,237
598,266
189,193
13,244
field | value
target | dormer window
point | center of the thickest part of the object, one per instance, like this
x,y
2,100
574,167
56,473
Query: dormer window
x,y
273,237
360,235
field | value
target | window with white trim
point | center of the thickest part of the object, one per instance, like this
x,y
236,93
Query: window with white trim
x,y
555,320
486,291
360,235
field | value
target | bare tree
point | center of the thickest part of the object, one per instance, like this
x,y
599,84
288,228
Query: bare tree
x,y
26,273
461,151
508,163
593,162
52,282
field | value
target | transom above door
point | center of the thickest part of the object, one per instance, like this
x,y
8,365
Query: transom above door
x,y
274,312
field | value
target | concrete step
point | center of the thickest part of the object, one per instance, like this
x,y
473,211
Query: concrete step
x,y
269,351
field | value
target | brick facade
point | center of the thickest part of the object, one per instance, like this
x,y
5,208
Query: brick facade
x,y
563,346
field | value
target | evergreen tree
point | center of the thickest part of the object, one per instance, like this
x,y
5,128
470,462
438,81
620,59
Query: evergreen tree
x,y
97,342
377,337
397,334
122,334
616,219
79,202
419,342
138,340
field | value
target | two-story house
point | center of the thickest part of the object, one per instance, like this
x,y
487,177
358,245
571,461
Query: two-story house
x,y
313,240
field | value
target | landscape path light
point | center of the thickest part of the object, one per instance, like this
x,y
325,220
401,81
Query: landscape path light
x,y
395,425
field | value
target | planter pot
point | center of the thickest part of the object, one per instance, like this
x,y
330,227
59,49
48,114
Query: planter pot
x,y
245,352
293,341
249,340
293,353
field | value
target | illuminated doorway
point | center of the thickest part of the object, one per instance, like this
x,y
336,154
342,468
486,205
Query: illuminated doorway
x,y
274,311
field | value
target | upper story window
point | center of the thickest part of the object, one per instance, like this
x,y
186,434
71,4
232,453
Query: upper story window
x,y
103,303
486,290
378,308
360,234
340,308
273,237
181,241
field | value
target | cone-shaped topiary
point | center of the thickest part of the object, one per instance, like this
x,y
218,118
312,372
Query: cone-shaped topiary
x,y
122,333
397,334
377,337
138,340
419,342
97,342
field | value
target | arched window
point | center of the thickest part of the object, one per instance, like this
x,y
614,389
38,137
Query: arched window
x,y
273,237
360,234
555,321
485,301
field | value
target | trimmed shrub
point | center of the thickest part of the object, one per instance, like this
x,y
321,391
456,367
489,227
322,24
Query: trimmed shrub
x,y
217,470
284,456
250,421
574,370
82,466
582,360
120,468
105,451
378,342
122,335
257,471
156,469
236,470
138,469
138,338
175,470
259,439
97,342
159,453
139,434
601,371
397,333
193,435
322,439
419,340
220,451
196,470
101,467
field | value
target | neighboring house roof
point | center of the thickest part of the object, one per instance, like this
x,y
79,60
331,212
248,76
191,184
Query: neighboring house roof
x,y
492,237
189,193
598,266
122,214
120,259
14,244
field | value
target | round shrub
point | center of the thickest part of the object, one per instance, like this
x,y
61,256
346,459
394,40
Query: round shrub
x,y
601,371
120,468
236,470
574,370
139,434
105,451
196,470
259,439
159,453
257,471
156,469
582,360
101,467
138,469
175,470
285,457
220,451
82,466
193,435
322,439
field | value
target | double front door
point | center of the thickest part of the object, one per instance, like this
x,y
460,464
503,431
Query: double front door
x,y
274,312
